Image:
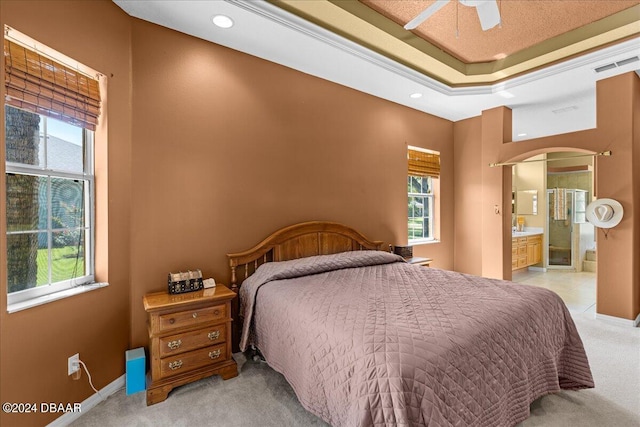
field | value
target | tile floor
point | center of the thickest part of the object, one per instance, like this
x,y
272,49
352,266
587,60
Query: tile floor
x,y
577,290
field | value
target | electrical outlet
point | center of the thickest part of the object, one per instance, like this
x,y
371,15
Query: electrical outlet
x,y
73,364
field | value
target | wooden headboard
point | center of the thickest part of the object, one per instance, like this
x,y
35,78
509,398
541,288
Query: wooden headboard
x,y
298,241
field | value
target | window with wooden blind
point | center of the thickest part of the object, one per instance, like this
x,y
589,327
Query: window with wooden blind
x,y
422,179
51,112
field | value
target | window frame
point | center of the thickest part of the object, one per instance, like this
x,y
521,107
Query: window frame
x,y
88,176
425,163
431,201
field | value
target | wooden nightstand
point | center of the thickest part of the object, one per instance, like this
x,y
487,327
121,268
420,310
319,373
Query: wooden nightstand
x,y
425,262
189,339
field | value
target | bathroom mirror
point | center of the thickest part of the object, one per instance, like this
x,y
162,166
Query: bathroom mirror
x,y
527,202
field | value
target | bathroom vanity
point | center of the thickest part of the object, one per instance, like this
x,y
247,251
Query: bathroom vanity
x,y
526,249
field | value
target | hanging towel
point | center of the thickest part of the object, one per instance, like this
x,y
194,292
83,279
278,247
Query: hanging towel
x,y
560,204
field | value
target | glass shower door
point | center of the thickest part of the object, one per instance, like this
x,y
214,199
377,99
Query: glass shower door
x,y
560,226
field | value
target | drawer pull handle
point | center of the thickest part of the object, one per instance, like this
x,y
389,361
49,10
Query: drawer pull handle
x,y
216,312
175,365
214,335
172,320
195,315
214,354
174,344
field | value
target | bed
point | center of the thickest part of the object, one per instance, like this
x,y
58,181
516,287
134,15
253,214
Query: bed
x,y
366,339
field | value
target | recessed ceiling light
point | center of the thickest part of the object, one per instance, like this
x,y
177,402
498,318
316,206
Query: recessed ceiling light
x,y
416,95
522,134
223,21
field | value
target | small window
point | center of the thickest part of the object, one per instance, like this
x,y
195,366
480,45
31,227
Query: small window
x,y
420,209
422,183
51,112
49,213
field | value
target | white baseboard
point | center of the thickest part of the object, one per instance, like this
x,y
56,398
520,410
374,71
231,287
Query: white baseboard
x,y
542,269
618,320
89,403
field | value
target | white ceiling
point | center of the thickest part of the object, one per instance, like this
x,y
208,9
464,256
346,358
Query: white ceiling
x,y
556,99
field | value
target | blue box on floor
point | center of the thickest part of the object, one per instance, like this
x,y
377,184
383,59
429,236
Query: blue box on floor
x,y
135,370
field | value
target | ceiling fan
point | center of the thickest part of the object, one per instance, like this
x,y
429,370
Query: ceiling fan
x,y
487,12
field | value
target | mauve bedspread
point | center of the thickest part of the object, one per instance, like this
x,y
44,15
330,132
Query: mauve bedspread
x,y
366,339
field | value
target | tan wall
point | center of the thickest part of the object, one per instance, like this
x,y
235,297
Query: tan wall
x,y
228,148
617,106
495,212
618,280
36,343
468,196
635,292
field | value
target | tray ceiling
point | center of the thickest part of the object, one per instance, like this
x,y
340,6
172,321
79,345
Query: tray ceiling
x,y
451,47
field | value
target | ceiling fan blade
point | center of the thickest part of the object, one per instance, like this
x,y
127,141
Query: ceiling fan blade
x,y
439,4
489,14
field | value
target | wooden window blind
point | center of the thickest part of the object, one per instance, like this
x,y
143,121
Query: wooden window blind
x,y
39,84
423,164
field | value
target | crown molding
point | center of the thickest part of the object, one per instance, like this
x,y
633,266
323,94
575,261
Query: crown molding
x,y
282,17
302,26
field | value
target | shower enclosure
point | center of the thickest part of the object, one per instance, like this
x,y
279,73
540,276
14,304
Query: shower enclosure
x,y
566,210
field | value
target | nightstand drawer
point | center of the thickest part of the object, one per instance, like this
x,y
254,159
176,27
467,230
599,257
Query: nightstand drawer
x,y
180,343
192,317
192,360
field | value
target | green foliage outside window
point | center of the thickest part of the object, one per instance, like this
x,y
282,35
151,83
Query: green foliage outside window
x,y
419,207
46,201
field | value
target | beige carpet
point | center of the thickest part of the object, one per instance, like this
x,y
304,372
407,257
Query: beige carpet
x,y
614,356
260,396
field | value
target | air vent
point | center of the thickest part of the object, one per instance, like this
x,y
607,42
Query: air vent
x,y
605,68
616,64
627,61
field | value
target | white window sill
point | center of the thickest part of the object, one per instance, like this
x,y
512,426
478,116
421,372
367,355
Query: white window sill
x,y
423,242
44,299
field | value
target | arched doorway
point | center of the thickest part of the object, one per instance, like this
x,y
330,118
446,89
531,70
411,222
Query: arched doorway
x,y
553,245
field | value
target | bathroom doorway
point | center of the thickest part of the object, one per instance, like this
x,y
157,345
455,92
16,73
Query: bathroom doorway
x,y
568,250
